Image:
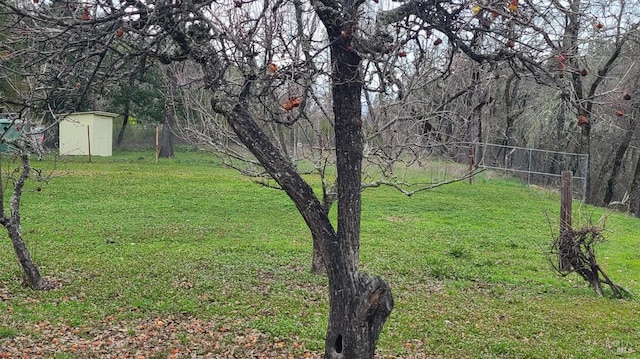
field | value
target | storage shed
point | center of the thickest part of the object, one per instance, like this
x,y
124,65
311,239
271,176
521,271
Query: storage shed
x,y
87,133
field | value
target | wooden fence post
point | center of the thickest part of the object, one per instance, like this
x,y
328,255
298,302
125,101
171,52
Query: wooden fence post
x,y
157,143
89,142
471,162
566,201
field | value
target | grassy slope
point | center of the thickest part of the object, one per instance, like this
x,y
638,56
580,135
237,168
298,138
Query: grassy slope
x,y
132,239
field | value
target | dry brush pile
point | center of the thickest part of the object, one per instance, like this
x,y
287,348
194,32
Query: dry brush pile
x,y
575,251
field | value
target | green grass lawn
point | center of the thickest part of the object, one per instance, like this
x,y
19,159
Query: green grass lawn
x,y
134,243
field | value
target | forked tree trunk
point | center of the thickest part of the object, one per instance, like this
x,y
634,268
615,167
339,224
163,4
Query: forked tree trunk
x,y
583,95
359,304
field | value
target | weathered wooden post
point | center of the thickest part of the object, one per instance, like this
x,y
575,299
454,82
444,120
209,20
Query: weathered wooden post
x,y
89,142
566,201
471,162
157,143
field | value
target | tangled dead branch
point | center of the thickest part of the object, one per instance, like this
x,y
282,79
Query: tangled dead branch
x,y
575,252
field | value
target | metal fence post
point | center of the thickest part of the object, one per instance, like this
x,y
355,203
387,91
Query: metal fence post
x,y
529,170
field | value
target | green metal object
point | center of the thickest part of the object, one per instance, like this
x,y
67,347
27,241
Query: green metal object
x,y
10,130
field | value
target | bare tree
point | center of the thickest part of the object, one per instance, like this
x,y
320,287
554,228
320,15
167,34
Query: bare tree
x,y
15,178
226,41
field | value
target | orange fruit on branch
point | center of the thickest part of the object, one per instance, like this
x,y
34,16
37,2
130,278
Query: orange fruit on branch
x,y
288,106
582,120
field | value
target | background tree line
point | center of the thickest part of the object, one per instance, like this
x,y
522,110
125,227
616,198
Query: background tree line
x,y
563,78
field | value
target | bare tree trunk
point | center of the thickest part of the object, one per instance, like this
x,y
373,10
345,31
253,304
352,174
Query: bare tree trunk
x,y
12,223
585,101
167,137
30,273
617,164
359,304
585,148
510,95
317,263
556,164
634,190
125,121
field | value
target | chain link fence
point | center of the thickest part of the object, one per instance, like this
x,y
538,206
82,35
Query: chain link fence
x,y
535,166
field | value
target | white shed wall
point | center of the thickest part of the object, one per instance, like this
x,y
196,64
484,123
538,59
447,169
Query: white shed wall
x,y
80,130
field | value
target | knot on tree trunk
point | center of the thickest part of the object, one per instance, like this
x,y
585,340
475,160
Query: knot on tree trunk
x,y
358,312
375,303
